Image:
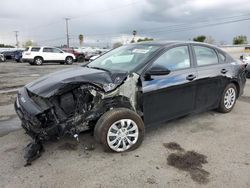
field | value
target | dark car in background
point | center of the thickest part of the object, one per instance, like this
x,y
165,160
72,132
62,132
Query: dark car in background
x,y
128,88
18,55
13,55
80,57
9,55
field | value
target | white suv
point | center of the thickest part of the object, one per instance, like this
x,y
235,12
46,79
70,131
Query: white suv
x,y
39,55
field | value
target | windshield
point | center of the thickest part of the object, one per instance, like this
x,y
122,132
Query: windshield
x,y
125,58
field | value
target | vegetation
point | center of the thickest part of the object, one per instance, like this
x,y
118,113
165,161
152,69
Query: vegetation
x,y
241,39
145,39
200,38
29,43
6,46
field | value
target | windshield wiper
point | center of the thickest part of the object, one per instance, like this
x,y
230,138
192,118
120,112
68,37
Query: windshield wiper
x,y
99,68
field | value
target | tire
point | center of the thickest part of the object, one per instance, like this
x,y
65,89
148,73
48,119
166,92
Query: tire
x,y
69,60
228,98
80,58
133,126
38,61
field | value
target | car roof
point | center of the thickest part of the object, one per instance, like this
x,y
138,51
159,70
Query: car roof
x,y
174,42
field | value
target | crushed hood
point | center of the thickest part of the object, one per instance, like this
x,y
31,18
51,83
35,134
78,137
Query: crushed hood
x,y
54,83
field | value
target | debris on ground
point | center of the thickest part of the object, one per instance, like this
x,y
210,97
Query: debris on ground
x,y
33,151
173,146
189,161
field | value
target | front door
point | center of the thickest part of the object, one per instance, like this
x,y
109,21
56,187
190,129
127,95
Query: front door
x,y
169,96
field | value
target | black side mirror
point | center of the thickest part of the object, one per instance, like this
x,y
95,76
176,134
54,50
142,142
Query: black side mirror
x,y
158,70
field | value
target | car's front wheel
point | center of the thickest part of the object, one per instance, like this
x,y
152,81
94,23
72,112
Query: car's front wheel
x,y
120,130
69,60
228,98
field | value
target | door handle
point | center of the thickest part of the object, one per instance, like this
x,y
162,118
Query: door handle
x,y
190,77
223,71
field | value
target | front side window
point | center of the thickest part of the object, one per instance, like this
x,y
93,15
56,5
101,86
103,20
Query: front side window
x,y
55,50
174,59
205,56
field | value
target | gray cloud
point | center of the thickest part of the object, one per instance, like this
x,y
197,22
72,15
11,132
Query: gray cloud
x,y
42,20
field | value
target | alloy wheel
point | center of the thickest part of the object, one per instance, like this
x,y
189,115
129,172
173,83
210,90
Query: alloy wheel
x,y
122,135
229,98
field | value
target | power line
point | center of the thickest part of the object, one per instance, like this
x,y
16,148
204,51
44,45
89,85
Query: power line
x,y
182,27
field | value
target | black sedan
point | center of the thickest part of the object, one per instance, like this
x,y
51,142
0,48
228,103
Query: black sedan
x,y
124,90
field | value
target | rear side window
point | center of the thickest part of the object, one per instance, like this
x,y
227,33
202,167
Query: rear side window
x,y
35,49
26,49
205,56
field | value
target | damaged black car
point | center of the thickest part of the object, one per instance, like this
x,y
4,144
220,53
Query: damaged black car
x,y
124,90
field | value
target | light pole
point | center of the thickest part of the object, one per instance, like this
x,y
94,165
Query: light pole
x,y
67,31
17,43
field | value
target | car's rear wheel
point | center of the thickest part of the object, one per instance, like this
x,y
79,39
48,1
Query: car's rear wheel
x,y
228,98
69,60
38,61
120,130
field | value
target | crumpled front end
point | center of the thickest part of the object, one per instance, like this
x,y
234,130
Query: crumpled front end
x,y
73,109
37,120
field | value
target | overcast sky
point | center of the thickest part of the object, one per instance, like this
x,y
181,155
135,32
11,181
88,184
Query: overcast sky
x,y
104,21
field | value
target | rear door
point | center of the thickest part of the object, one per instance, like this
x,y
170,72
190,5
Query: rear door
x,y
210,76
48,54
169,96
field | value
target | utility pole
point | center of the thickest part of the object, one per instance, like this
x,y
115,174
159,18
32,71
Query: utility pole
x,y
67,31
17,43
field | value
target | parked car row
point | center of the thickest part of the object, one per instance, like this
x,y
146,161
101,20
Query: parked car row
x,y
11,55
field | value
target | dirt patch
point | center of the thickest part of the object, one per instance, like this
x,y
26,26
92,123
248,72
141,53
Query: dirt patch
x,y
68,146
6,99
151,180
11,149
189,161
173,146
